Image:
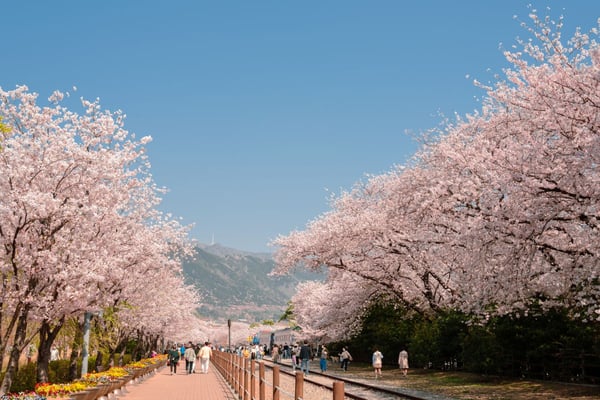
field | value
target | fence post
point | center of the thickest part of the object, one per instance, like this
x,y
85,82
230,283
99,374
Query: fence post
x,y
276,382
246,387
230,369
230,364
338,390
299,387
233,370
240,374
234,373
262,394
252,379
227,365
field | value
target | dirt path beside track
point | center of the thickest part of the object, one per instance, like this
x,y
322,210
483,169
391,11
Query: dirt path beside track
x,y
468,386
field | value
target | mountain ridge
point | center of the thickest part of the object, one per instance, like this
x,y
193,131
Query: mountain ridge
x,y
220,250
236,284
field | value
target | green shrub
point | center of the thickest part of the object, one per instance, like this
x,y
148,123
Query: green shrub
x,y
539,344
58,371
481,352
24,379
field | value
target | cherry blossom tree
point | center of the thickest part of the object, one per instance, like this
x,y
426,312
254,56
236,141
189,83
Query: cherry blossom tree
x,y
500,211
147,312
524,173
78,218
377,247
333,309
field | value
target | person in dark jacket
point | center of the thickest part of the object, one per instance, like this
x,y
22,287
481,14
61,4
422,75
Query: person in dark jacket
x,y
173,359
305,356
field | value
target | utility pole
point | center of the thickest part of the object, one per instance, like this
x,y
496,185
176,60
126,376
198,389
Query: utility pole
x,y
87,317
229,329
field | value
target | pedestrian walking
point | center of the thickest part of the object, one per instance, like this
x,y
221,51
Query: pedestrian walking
x,y
403,362
197,350
345,358
305,355
295,351
323,359
173,359
286,351
377,361
275,353
190,356
205,355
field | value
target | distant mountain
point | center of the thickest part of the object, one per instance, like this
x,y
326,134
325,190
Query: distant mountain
x,y
236,284
223,251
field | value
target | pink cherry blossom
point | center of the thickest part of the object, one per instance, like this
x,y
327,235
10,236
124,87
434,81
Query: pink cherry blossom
x,y
499,209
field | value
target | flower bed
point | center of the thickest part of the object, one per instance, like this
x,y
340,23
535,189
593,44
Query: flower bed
x,y
92,385
22,396
60,389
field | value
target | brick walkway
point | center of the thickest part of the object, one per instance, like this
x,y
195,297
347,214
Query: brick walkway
x,y
162,385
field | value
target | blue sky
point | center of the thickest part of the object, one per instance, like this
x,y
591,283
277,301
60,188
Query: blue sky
x,y
259,110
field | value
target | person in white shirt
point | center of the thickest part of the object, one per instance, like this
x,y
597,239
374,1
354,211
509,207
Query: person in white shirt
x,y
205,354
190,356
403,361
54,354
377,360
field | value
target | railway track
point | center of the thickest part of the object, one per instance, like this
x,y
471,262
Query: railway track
x,y
355,389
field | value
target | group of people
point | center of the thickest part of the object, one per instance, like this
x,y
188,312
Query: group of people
x,y
255,352
190,353
302,354
377,360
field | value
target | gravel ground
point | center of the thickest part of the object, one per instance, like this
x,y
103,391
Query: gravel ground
x,y
468,386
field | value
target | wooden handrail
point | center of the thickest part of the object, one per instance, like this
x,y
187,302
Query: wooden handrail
x,y
240,373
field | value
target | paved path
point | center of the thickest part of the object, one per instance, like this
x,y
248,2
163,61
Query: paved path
x,y
181,386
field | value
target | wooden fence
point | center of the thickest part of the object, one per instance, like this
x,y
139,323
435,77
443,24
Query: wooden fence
x,y
241,374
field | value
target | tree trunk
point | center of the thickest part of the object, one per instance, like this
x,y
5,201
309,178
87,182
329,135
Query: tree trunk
x,y
18,345
2,346
75,350
156,344
121,355
7,331
140,347
135,349
98,367
47,337
117,353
